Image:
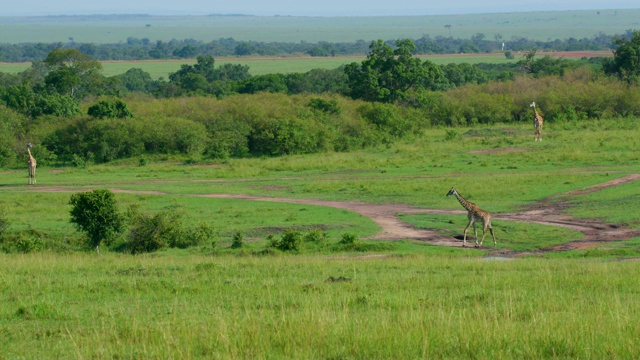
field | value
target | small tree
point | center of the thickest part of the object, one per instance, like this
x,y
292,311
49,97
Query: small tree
x,y
96,214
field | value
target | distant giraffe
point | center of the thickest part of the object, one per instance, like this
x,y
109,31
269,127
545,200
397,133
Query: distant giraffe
x,y
537,123
32,166
474,214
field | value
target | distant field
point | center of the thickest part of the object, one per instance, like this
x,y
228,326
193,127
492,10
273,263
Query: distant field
x,y
286,65
115,29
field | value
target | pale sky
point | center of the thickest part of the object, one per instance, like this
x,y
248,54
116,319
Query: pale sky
x,y
300,7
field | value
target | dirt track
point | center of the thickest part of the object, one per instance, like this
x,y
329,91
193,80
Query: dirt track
x,y
548,211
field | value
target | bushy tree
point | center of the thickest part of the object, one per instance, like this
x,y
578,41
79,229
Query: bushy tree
x,y
72,72
626,57
136,79
388,74
96,214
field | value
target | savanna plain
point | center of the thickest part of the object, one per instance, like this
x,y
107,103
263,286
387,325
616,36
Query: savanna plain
x,y
380,271
405,298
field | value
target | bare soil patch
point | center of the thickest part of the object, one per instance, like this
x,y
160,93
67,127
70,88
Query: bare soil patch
x,y
548,211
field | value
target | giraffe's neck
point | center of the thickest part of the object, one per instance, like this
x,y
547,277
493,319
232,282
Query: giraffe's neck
x,y
31,158
538,118
465,204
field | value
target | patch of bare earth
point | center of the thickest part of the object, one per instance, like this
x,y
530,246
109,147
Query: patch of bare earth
x,y
549,211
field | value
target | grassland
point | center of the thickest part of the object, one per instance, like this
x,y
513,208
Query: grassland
x,y
307,307
104,29
264,65
388,299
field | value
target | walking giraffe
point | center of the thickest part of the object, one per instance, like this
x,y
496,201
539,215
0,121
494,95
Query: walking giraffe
x,y
32,166
474,214
537,123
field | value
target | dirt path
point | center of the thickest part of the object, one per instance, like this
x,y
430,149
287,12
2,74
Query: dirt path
x,y
548,211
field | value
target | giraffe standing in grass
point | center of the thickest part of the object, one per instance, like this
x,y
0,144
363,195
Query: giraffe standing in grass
x,y
537,123
32,166
474,214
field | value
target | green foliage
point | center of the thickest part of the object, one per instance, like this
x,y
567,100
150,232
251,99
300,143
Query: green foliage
x,y
111,109
316,236
325,106
72,72
135,79
626,62
349,239
96,214
149,233
237,241
388,74
290,241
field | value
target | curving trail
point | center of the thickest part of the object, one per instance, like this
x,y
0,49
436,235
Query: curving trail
x,y
548,211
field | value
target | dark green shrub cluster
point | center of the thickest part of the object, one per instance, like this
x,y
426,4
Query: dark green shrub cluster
x,y
290,241
238,240
149,233
110,109
107,140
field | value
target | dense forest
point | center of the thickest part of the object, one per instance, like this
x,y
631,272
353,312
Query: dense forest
x,y
75,115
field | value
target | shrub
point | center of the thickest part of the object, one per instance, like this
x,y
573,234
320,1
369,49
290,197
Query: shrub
x,y
237,243
291,241
349,239
150,233
192,237
316,236
96,214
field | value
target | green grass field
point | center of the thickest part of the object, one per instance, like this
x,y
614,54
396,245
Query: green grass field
x,y
304,307
100,29
382,299
262,66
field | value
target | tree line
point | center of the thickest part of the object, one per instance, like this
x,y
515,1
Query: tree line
x,y
144,49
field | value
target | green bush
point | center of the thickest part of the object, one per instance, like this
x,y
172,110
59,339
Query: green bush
x,y
349,239
95,213
152,232
316,236
111,109
237,241
290,241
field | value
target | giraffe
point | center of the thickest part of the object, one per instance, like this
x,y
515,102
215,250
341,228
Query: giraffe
x,y
32,166
537,123
474,214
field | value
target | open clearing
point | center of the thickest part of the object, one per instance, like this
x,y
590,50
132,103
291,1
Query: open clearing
x,y
548,211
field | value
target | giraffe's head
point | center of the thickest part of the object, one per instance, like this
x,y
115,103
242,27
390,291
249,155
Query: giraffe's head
x,y
29,145
533,105
452,192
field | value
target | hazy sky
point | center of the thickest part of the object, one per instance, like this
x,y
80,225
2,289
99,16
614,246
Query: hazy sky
x,y
300,7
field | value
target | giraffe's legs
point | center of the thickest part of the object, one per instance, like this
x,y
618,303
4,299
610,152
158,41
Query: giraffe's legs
x,y
493,236
464,239
475,231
